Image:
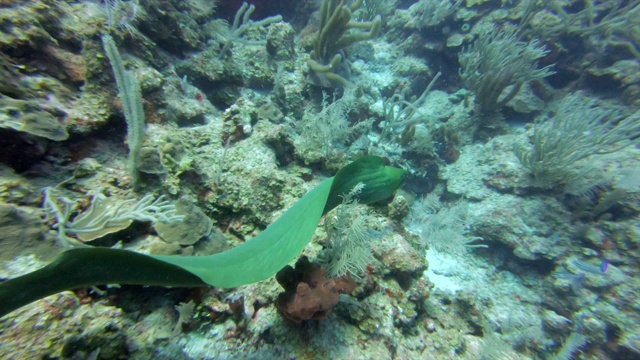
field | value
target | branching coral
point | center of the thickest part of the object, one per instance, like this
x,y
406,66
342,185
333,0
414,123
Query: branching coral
x,y
578,130
399,113
326,59
617,22
372,8
324,132
119,14
238,29
495,62
350,251
435,12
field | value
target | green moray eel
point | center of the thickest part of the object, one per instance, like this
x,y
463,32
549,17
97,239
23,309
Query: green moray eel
x,y
255,260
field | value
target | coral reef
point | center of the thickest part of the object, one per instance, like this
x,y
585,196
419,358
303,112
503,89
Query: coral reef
x,y
515,235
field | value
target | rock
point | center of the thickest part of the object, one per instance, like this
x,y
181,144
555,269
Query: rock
x,y
27,116
554,322
195,226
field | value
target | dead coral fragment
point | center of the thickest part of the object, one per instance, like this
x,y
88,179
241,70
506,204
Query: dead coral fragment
x,y
309,294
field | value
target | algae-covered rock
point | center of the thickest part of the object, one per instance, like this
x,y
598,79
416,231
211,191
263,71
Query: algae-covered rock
x,y
239,119
526,101
455,40
151,161
402,261
172,24
27,116
86,167
220,80
14,188
20,231
195,226
624,73
281,43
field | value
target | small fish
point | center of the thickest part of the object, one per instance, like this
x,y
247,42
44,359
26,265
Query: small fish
x,y
200,97
604,266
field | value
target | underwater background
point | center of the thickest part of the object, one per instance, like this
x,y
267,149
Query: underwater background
x,y
186,128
